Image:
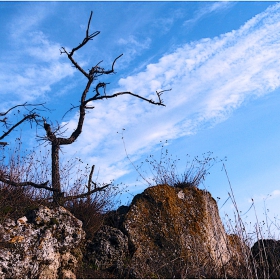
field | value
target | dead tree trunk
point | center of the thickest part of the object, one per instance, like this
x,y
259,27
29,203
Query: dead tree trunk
x,y
56,172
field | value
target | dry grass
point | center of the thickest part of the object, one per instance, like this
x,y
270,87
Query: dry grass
x,y
23,165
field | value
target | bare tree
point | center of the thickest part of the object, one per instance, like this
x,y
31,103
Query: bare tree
x,y
53,135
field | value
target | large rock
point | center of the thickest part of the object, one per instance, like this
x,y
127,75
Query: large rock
x,y
177,232
44,244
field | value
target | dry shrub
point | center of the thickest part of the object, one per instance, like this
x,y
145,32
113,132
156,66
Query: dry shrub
x,y
90,211
22,166
164,169
15,202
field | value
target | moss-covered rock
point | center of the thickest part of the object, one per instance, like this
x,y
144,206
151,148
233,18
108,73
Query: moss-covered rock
x,y
175,232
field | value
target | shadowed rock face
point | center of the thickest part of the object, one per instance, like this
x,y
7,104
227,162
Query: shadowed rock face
x,y
266,253
108,249
45,244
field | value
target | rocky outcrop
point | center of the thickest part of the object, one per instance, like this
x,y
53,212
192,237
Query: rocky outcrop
x,y
174,232
266,256
44,244
177,233
166,232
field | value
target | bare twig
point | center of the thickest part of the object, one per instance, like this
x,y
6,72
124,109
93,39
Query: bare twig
x,y
90,178
27,117
27,183
25,105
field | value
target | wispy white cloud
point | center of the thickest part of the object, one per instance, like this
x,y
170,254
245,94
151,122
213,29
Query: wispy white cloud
x,y
209,79
275,194
211,7
263,198
132,47
33,67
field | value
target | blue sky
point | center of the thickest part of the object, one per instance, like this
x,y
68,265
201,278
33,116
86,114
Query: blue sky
x,y
221,60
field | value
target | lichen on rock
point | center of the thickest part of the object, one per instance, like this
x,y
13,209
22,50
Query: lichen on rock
x,y
175,232
41,245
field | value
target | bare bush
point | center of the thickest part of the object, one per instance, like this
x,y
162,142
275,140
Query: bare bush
x,y
22,165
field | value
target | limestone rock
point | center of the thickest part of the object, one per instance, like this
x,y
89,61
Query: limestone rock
x,y
177,232
44,244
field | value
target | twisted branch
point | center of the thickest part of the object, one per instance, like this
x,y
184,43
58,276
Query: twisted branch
x,y
98,97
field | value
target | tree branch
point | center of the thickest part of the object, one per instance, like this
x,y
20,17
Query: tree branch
x,y
86,39
76,65
98,97
30,117
100,71
21,105
83,195
89,192
90,178
27,183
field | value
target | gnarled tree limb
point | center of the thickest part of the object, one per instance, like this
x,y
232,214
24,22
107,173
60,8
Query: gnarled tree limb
x,y
86,194
27,183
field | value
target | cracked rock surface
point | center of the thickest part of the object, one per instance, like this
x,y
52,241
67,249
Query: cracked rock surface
x,y
44,244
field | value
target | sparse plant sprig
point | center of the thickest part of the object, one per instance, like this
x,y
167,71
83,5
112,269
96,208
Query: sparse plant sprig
x,y
164,170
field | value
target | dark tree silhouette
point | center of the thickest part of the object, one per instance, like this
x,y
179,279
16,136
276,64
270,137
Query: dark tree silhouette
x,y
53,135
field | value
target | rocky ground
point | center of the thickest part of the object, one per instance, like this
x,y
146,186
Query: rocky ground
x,y
166,232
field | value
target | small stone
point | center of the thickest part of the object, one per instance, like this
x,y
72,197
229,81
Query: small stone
x,y
22,220
181,195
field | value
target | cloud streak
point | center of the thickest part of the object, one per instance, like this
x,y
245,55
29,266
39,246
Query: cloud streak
x,y
215,7
209,79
